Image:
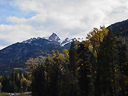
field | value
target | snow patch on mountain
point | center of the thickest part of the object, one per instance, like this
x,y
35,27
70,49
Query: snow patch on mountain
x,y
46,37
67,40
30,40
53,38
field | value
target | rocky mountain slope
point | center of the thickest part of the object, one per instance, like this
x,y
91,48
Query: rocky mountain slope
x,y
17,54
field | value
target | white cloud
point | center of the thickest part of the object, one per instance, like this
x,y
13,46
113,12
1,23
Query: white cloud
x,y
14,33
38,18
1,47
75,18
69,14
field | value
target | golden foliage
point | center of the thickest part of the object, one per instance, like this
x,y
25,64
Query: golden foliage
x,y
95,38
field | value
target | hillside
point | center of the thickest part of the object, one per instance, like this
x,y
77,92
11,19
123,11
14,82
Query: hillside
x,y
15,55
119,28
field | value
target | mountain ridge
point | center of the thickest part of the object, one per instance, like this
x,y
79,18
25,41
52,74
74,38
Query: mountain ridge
x,y
53,38
17,54
119,28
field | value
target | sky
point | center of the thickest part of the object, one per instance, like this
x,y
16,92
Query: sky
x,y
24,19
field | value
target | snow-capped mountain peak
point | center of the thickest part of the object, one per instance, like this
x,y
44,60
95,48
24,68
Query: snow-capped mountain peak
x,y
67,40
30,40
54,37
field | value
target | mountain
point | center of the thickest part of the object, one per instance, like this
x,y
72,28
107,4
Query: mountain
x,y
119,28
54,38
15,55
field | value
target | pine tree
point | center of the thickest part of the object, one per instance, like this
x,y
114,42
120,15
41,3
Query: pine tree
x,y
38,82
84,68
122,62
66,75
105,67
47,66
12,76
73,65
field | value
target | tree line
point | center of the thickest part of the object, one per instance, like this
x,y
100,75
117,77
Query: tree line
x,y
15,82
94,67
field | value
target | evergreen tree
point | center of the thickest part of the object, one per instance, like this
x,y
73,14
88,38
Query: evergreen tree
x,y
122,63
56,74
12,76
66,75
84,69
38,82
105,67
73,65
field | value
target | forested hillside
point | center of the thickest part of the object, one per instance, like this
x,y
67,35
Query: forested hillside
x,y
15,55
119,28
94,67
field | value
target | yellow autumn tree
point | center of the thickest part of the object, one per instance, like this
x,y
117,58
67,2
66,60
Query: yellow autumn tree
x,y
95,38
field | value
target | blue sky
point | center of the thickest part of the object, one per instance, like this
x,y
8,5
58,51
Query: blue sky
x,y
24,19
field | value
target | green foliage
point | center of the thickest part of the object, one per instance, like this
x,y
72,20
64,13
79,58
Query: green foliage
x,y
84,71
14,83
106,57
38,82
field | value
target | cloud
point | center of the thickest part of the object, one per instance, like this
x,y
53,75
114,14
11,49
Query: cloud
x,y
19,32
70,14
14,33
67,18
